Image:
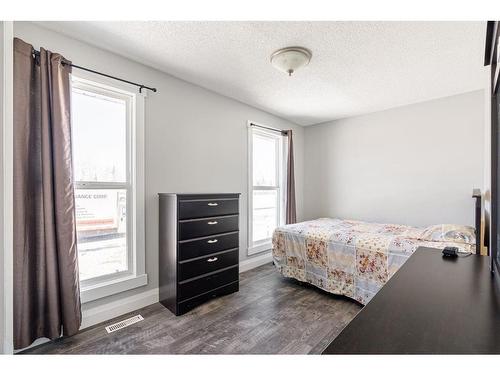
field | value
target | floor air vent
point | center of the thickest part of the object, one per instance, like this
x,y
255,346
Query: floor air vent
x,y
124,323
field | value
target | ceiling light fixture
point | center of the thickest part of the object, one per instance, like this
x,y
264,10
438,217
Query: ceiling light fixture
x,y
290,59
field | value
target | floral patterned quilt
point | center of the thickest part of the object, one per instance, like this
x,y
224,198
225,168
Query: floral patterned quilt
x,y
354,258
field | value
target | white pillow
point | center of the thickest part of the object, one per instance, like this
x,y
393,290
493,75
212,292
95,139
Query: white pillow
x,y
449,233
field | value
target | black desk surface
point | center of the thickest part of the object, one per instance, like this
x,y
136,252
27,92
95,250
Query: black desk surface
x,y
430,306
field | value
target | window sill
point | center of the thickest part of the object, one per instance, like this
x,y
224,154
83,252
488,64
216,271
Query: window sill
x,y
260,248
109,288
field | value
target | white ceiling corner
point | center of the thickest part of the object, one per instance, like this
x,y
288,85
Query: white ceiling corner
x,y
356,68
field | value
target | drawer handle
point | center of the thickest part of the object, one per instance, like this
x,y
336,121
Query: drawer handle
x,y
212,223
212,241
214,259
213,204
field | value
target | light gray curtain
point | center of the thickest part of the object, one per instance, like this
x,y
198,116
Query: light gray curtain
x,y
46,285
290,209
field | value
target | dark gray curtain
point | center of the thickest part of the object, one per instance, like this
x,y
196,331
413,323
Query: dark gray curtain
x,y
46,285
290,209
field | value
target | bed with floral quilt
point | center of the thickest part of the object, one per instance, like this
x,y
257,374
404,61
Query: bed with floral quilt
x,y
355,258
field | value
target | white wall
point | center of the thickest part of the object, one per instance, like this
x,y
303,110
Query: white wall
x,y
414,165
1,191
195,139
487,158
6,66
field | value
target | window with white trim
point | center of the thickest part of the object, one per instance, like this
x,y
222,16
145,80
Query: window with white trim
x,y
107,152
266,192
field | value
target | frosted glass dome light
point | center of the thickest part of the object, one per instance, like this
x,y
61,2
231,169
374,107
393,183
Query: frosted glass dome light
x,y
290,59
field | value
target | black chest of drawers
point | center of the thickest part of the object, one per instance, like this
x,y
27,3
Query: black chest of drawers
x,y
199,248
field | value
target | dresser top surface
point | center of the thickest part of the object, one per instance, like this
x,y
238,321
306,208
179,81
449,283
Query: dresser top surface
x,y
431,305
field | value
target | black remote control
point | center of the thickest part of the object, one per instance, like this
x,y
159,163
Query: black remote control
x,y
450,252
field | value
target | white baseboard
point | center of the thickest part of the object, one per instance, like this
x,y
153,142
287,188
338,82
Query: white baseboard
x,y
256,261
37,342
114,309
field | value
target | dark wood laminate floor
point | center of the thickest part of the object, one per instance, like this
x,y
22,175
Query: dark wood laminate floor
x,y
269,315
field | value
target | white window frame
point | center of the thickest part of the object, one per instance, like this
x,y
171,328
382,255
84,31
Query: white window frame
x,y
135,276
266,244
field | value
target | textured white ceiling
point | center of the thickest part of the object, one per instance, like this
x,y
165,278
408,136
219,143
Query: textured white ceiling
x,y
356,68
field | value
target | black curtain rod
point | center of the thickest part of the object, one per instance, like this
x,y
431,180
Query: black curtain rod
x,y
141,87
283,132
